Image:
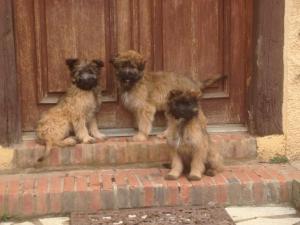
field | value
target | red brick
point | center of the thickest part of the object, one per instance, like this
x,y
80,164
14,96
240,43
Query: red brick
x,y
27,198
101,154
221,188
54,157
13,197
81,183
121,177
284,192
261,172
257,187
69,183
55,202
42,185
2,194
107,181
185,190
42,201
148,188
132,180
172,192
254,177
14,186
55,194
77,156
94,181
120,156
95,201
56,184
242,176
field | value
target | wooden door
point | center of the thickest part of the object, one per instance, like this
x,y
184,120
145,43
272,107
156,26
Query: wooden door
x,y
199,38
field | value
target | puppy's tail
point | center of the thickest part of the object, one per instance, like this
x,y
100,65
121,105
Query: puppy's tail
x,y
210,81
48,148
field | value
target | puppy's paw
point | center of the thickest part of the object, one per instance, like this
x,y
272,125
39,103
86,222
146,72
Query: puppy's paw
x,y
171,176
162,135
70,141
89,140
139,137
194,177
211,172
100,136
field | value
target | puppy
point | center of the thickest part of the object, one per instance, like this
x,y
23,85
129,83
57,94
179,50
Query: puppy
x,y
144,93
192,148
75,111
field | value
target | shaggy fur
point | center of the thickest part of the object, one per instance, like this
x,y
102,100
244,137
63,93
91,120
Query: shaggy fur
x,y
75,112
192,149
144,93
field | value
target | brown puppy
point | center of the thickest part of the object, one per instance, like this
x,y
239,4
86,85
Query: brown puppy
x,y
192,148
144,93
75,112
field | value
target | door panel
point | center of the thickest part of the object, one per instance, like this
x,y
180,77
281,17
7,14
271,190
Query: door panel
x,y
198,38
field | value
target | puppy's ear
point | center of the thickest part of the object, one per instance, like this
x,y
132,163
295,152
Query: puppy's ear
x,y
141,65
174,93
72,62
99,63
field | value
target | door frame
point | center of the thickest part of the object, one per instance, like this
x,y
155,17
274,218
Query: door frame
x,y
259,48
10,116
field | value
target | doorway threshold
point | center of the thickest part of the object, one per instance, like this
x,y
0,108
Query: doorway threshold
x,y
127,132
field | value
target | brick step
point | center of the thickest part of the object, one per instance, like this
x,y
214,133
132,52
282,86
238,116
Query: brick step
x,y
121,151
25,195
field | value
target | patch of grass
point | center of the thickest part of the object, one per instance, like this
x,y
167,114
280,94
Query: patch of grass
x,y
279,159
4,218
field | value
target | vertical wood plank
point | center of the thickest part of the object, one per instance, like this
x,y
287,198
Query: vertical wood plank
x,y
266,84
26,62
10,125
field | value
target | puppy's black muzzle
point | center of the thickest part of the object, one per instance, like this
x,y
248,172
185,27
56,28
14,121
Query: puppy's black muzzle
x,y
184,111
128,78
87,81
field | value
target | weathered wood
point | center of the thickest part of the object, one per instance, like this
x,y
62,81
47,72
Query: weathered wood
x,y
266,84
10,129
198,38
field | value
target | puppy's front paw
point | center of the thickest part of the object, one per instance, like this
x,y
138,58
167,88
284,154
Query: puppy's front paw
x,y
89,140
162,135
171,176
100,136
194,176
211,172
139,137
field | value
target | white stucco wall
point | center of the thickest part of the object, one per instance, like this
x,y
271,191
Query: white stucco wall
x,y
291,105
289,143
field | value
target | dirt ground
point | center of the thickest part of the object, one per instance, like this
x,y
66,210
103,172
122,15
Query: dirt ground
x,y
157,216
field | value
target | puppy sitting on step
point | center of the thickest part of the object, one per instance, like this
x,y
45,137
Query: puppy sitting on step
x,y
75,111
145,93
192,148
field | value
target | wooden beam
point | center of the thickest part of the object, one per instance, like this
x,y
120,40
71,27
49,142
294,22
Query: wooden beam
x,y
265,96
10,129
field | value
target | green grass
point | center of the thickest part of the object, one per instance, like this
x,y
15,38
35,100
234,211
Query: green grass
x,y
279,159
4,218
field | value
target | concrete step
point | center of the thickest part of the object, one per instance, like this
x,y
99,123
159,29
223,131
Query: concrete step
x,y
62,192
118,151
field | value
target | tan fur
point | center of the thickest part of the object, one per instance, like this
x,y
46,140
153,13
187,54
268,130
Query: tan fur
x,y
149,94
74,113
192,148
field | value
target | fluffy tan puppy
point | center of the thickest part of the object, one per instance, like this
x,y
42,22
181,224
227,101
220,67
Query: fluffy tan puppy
x,y
73,118
192,149
145,93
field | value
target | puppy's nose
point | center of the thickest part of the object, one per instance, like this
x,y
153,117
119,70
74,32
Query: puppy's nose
x,y
87,76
